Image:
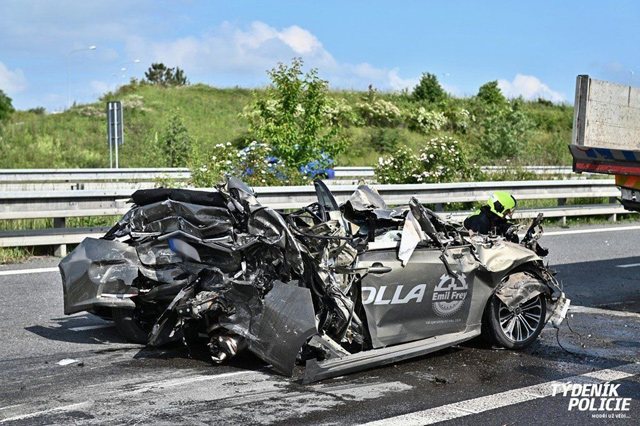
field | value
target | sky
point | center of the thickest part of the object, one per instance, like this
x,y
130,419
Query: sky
x,y
533,48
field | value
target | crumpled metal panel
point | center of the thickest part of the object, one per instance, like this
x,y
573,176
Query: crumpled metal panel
x,y
365,202
169,216
502,257
519,288
286,322
269,225
97,266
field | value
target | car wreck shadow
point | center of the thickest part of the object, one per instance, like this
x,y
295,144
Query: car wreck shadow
x,y
85,329
245,360
610,284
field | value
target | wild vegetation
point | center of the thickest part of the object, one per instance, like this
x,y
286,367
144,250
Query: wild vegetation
x,y
169,122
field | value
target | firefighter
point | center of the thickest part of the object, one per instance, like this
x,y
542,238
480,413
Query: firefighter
x,y
493,217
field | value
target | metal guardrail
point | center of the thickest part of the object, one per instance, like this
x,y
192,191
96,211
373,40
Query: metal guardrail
x,y
90,175
61,179
48,204
75,179
64,204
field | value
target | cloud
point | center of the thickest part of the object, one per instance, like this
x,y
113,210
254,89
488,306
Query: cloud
x,y
12,81
530,88
100,87
245,53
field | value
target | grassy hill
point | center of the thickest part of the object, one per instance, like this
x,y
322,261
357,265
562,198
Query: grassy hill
x,y
77,137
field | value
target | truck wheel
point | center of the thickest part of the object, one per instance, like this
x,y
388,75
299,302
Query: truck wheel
x,y
130,326
515,329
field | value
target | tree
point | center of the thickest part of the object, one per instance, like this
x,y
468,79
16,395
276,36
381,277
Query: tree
x,y
428,89
159,74
176,142
6,107
296,116
505,130
491,94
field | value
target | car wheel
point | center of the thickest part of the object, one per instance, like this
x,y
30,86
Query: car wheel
x,y
130,325
515,329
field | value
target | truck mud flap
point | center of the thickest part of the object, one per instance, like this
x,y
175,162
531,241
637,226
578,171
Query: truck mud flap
x,y
316,371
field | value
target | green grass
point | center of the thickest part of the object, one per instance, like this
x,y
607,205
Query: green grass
x,y
15,254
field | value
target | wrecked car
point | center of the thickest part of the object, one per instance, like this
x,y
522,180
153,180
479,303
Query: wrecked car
x,y
334,288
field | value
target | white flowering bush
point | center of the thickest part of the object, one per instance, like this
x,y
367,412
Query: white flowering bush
x,y
378,112
339,112
254,164
398,167
459,119
440,160
425,121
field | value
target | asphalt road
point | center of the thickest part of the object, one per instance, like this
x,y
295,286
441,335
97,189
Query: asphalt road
x,y
109,381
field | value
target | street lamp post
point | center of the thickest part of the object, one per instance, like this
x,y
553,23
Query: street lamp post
x,y
92,47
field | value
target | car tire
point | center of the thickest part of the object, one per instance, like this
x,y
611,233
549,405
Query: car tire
x,y
517,329
129,326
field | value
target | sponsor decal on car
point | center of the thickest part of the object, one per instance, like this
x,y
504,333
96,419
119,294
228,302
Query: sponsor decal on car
x,y
449,295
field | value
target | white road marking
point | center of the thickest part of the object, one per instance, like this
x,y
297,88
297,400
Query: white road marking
x,y
10,406
504,399
629,265
588,310
91,327
28,271
80,405
163,384
592,230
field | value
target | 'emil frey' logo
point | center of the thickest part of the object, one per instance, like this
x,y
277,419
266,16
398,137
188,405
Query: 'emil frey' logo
x,y
449,295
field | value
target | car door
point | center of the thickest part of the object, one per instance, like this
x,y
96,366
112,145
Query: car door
x,y
416,301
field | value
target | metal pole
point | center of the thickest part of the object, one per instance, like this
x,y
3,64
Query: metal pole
x,y
109,137
69,72
68,80
116,139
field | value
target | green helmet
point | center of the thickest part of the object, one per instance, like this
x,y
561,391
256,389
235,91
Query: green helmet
x,y
502,202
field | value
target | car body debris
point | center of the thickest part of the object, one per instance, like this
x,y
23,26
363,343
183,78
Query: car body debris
x,y
335,288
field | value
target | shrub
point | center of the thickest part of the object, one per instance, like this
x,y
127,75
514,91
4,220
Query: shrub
x,y
37,110
176,142
424,121
428,89
440,160
397,168
490,94
296,116
159,74
6,107
254,164
504,131
458,119
385,140
378,112
339,113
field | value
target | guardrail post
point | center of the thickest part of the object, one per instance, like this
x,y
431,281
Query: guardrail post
x,y
439,207
563,202
60,250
